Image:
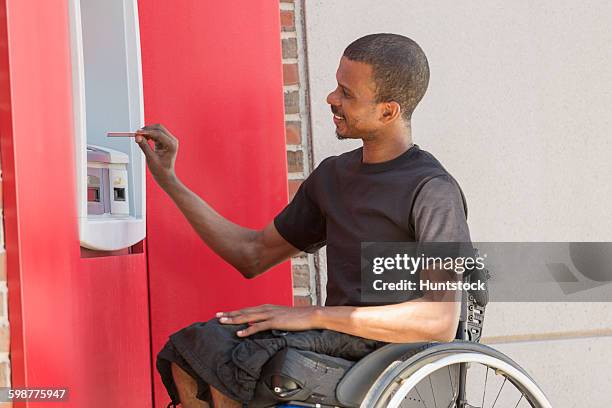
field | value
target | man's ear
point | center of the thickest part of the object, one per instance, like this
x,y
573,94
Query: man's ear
x,y
391,111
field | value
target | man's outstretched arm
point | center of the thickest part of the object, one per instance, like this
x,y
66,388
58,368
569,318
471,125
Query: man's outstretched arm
x,y
250,251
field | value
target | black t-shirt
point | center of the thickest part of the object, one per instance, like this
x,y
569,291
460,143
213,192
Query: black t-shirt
x,y
344,202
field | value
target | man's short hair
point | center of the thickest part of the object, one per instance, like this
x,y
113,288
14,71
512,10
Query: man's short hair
x,y
399,66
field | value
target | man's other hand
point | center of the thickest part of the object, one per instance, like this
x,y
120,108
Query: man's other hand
x,y
268,317
160,160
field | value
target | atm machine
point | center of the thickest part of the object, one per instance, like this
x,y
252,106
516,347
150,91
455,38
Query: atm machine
x,y
107,96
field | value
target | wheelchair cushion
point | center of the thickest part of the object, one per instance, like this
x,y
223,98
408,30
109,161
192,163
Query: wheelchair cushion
x,y
356,383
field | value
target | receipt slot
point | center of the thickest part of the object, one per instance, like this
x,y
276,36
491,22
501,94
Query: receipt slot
x,y
107,97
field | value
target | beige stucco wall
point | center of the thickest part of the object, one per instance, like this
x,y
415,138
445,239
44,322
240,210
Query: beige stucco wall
x,y
519,110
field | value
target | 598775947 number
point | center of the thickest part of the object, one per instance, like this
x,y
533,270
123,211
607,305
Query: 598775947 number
x,y
33,394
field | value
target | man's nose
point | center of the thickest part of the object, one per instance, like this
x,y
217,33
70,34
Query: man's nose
x,y
332,99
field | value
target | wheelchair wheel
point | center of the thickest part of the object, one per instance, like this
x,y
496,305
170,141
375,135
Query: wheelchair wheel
x,y
455,375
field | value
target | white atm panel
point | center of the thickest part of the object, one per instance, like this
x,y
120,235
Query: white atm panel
x,y
107,95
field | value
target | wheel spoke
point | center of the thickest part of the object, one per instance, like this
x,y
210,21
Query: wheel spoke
x,y
500,390
484,389
450,377
519,401
432,392
421,398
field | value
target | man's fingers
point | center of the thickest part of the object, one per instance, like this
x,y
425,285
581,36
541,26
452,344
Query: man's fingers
x,y
254,309
164,129
152,134
158,136
259,308
244,318
155,126
146,149
246,315
254,328
229,314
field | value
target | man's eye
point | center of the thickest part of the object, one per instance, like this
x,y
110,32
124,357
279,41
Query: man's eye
x,y
344,92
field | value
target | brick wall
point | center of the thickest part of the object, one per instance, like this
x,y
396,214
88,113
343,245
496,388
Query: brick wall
x,y
297,126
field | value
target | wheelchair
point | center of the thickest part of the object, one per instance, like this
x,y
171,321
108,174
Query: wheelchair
x,y
458,374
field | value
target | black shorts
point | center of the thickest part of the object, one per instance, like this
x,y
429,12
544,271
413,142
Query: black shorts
x,y
200,349
214,355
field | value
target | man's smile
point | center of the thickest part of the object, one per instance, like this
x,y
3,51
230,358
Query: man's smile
x,y
337,116
338,119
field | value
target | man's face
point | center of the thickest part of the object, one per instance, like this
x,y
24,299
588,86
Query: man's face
x,y
356,114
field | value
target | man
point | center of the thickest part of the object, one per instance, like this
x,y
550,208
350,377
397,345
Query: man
x,y
388,190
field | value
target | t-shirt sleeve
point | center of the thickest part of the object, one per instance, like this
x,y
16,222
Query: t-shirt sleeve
x,y
439,214
301,222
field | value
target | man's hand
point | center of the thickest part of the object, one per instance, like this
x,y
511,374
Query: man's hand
x,y
160,160
268,317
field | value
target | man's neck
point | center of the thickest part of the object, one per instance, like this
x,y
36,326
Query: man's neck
x,y
386,147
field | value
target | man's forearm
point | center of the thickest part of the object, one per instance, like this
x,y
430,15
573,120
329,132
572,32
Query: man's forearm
x,y
232,242
407,322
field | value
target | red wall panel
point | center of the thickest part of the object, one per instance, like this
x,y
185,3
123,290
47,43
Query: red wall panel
x,y
76,323
213,76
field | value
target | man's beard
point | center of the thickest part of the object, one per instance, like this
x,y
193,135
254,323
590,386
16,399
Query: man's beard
x,y
365,136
